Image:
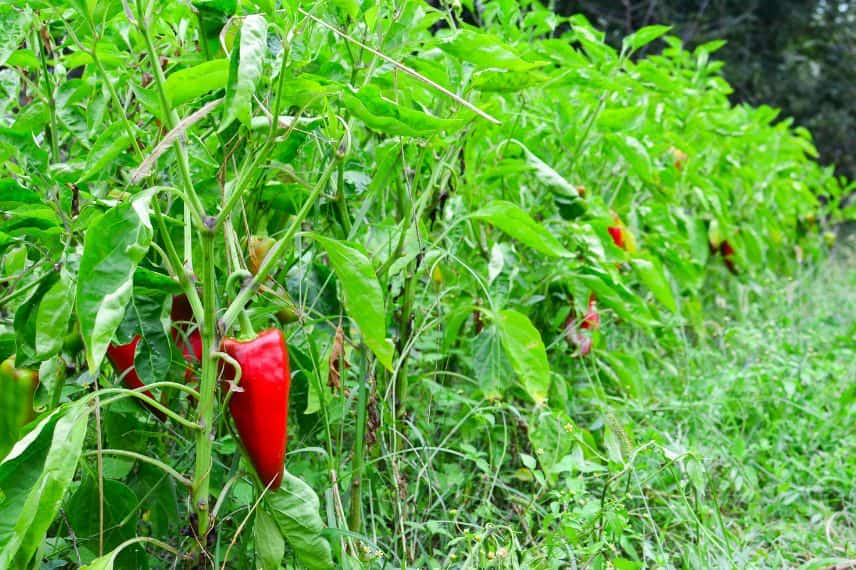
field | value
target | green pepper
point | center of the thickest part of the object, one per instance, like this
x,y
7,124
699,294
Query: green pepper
x,y
570,207
17,389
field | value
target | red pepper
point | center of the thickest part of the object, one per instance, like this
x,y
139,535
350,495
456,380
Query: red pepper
x,y
261,409
592,319
574,336
616,232
122,357
617,236
182,318
727,251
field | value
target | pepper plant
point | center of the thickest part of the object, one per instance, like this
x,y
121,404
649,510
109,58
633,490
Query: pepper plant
x,y
414,205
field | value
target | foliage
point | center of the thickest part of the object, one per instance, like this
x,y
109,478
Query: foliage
x,y
439,203
787,53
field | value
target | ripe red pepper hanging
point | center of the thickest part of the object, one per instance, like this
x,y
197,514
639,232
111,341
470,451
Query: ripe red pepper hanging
x,y
190,343
122,357
727,251
592,319
261,409
574,331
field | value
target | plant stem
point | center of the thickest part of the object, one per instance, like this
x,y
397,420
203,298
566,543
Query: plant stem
x,y
175,261
49,92
207,388
192,199
146,459
405,326
355,518
341,203
273,257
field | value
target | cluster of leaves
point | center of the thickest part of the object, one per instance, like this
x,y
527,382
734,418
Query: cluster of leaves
x,y
439,196
788,53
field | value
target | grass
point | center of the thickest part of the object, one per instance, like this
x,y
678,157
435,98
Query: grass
x,y
738,451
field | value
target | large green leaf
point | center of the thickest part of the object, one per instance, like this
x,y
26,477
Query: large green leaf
x,y
34,478
245,69
614,295
382,114
108,146
15,24
363,295
187,84
554,181
26,322
113,247
294,508
514,221
527,354
644,36
53,315
270,546
651,274
153,356
492,367
485,51
120,518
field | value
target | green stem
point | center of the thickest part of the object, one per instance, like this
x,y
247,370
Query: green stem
x,y
405,325
114,96
276,252
146,459
156,542
51,101
171,117
175,261
355,518
207,388
341,203
154,404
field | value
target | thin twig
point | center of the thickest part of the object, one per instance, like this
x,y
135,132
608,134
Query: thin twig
x,y
402,67
145,167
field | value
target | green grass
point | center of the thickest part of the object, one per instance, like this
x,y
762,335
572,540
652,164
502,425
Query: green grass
x,y
768,407
738,451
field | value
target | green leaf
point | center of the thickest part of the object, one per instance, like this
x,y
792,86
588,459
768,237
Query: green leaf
x,y
616,296
485,51
491,365
363,295
643,37
554,181
526,351
187,84
120,519
514,221
245,69
294,508
153,356
108,146
26,322
34,479
270,546
113,247
53,315
112,558
15,25
349,7
634,152
492,80
651,274
383,115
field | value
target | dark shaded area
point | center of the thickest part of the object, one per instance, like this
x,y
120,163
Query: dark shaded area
x,y
797,55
